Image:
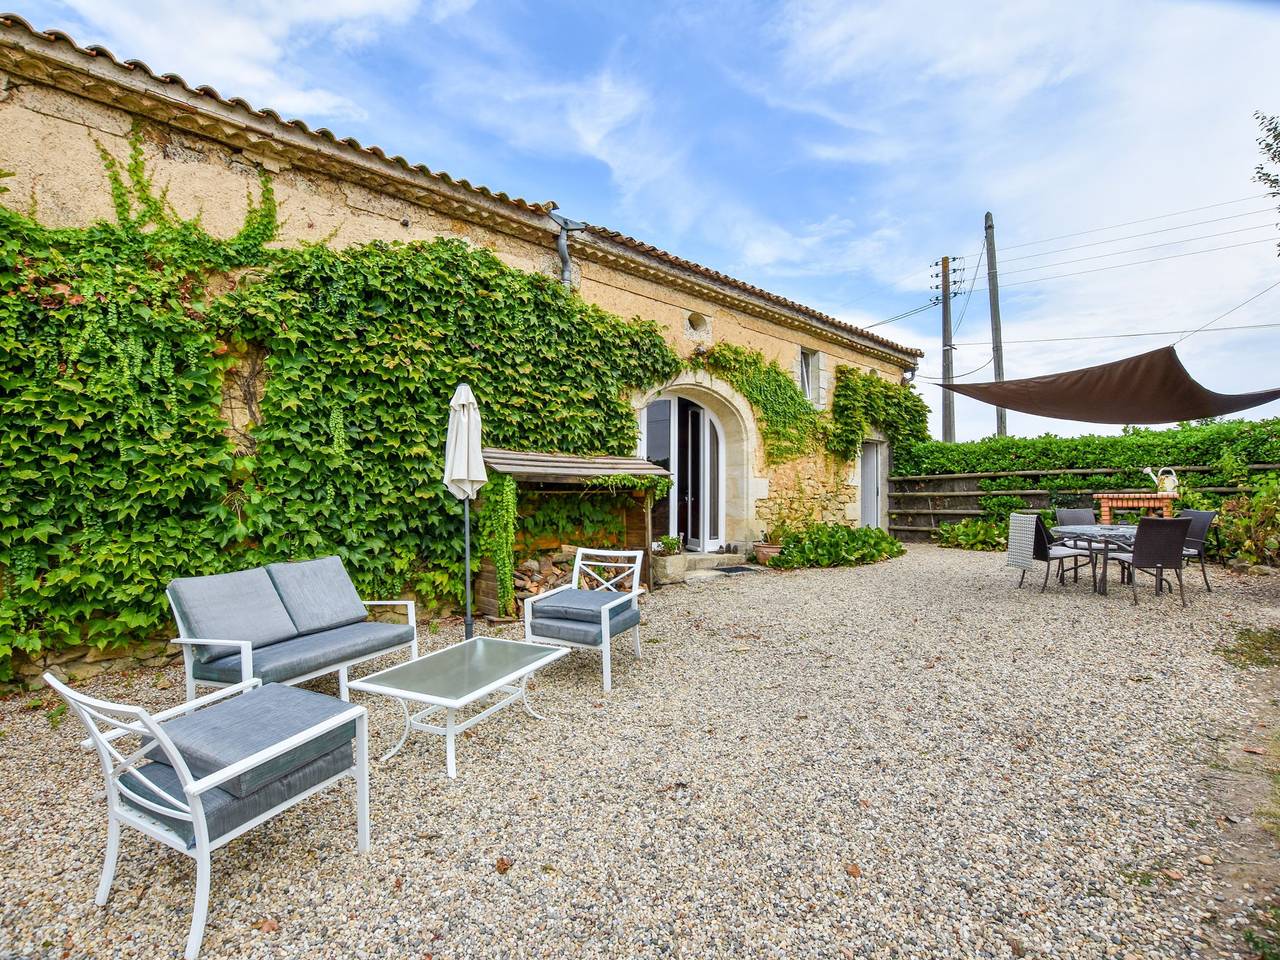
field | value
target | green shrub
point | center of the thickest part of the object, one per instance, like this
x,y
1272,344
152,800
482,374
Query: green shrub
x,y
973,533
1249,524
1225,445
997,508
835,545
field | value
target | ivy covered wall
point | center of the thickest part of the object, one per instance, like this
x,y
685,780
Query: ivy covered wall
x,y
120,471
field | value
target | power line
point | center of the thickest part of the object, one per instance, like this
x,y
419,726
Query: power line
x,y
972,283
1136,263
1130,223
1148,233
1151,246
1124,336
1228,313
902,316
958,376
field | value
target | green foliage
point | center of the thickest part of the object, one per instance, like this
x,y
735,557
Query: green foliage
x,y
668,546
997,508
1249,524
657,486
497,536
111,442
1238,441
862,400
119,475
588,519
973,533
835,545
790,425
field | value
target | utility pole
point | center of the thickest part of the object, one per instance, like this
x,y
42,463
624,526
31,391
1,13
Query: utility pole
x,y
997,344
948,398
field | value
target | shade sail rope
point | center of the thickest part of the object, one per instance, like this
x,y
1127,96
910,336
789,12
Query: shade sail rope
x,y
1225,315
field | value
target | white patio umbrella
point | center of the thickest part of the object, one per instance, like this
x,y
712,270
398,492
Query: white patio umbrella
x,y
464,472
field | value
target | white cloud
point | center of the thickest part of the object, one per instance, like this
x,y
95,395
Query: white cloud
x,y
257,51
1058,119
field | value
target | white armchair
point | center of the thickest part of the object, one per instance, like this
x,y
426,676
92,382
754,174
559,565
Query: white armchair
x,y
599,603
203,773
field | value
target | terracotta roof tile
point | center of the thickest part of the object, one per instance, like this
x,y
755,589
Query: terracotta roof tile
x,y
658,253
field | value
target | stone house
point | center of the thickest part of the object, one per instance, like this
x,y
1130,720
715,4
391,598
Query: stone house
x,y
58,101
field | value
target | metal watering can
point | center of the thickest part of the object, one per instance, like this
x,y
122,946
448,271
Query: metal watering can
x,y
1166,479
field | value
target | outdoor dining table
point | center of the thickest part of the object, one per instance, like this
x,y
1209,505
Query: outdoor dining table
x,y
1101,538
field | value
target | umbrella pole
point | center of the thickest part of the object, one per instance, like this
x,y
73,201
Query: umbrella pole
x,y
467,624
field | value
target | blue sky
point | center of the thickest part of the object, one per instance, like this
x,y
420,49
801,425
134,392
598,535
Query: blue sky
x,y
828,151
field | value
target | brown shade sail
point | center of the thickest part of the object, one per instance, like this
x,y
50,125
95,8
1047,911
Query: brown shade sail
x,y
1149,388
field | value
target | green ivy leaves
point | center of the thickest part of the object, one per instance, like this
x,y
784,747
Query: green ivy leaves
x,y
860,400
119,473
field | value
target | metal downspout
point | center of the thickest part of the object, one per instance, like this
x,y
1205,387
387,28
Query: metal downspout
x,y
567,226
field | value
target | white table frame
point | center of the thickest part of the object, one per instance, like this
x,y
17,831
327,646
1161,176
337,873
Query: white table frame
x,y
514,685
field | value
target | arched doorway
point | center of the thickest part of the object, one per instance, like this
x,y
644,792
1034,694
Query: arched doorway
x,y
688,439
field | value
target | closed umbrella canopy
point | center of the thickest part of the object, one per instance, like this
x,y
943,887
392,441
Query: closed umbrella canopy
x,y
1149,388
464,472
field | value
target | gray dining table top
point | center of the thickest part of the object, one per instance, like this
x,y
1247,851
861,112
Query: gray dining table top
x,y
1122,533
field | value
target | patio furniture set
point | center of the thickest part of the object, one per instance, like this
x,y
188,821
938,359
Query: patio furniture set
x,y
1156,546
198,775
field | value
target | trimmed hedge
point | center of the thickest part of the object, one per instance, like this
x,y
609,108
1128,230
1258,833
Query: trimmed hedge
x,y
1227,445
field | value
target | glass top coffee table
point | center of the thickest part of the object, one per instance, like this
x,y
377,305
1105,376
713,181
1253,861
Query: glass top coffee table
x,y
452,679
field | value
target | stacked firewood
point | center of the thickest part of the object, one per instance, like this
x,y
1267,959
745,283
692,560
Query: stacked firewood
x,y
545,573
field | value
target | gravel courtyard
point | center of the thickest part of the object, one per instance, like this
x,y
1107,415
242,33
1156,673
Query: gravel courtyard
x,y
912,759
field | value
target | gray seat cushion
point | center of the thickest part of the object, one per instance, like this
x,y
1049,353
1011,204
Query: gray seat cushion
x,y
224,811
317,593
302,655
231,606
580,631
230,730
574,604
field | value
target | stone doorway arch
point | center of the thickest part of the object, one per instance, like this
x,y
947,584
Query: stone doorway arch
x,y
743,482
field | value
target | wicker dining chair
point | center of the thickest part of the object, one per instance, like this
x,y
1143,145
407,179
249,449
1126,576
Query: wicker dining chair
x,y
1076,516
1201,521
1029,541
1157,550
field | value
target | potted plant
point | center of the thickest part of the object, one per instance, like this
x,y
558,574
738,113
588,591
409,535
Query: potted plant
x,y
669,561
769,547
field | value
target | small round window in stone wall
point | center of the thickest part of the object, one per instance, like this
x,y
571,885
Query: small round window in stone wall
x,y
699,325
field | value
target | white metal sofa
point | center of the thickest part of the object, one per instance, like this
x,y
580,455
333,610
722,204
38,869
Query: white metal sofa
x,y
201,774
282,623
598,604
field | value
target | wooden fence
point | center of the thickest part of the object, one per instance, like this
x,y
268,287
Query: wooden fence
x,y
919,504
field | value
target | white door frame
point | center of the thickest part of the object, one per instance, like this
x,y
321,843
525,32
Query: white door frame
x,y
704,542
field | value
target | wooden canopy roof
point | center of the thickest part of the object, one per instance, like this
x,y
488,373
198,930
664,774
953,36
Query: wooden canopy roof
x,y
563,468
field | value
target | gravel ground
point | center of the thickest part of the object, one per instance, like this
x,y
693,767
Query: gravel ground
x,y
912,759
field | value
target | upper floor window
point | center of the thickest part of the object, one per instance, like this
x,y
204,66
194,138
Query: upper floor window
x,y
809,374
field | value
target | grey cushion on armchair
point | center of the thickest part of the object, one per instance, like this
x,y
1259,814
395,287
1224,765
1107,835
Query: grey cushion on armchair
x,y
581,630
226,732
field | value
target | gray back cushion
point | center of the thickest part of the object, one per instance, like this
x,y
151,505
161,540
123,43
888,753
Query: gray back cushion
x,y
231,606
318,594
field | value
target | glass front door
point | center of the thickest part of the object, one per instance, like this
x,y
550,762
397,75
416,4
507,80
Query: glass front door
x,y
684,437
